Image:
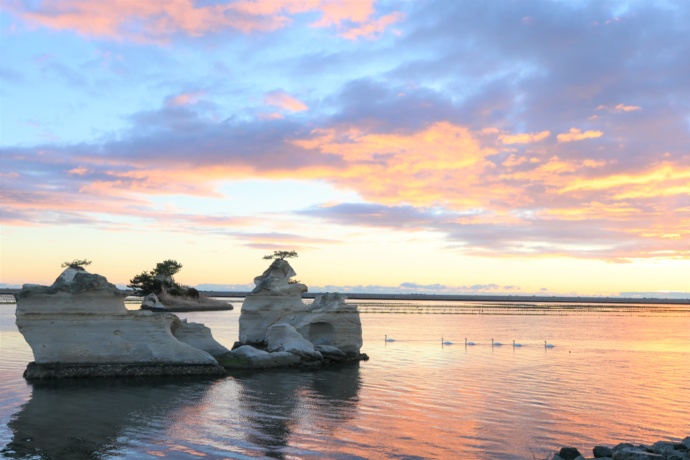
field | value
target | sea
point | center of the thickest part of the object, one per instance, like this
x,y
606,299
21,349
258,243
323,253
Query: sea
x,y
614,373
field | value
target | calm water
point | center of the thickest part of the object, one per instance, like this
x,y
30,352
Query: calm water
x,y
612,376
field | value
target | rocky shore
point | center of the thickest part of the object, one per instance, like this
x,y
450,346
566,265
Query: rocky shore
x,y
660,450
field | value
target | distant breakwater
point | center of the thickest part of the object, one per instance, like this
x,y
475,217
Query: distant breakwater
x,y
461,298
478,298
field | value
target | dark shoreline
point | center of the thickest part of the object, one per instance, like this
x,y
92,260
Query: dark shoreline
x,y
466,298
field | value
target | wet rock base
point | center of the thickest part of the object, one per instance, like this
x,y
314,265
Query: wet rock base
x,y
660,450
36,371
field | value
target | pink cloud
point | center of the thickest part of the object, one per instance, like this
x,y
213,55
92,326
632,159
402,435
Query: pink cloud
x,y
335,12
184,98
270,116
157,21
372,29
285,101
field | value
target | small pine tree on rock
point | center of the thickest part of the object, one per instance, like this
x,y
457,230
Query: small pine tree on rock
x,y
281,255
77,264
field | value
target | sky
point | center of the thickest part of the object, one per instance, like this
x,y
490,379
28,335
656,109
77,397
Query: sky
x,y
488,147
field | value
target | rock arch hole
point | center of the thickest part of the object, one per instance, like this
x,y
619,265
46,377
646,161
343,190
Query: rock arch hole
x,y
321,333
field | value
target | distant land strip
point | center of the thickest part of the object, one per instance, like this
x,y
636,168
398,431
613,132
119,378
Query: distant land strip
x,y
448,297
479,298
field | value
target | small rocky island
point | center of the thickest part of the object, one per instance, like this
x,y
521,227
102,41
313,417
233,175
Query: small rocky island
x,y
79,327
278,329
161,292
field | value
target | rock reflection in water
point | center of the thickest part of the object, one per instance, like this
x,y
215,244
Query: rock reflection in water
x,y
85,419
276,404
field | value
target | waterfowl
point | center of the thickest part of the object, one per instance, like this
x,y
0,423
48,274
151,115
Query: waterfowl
x,y
446,342
468,343
495,344
547,345
388,340
516,344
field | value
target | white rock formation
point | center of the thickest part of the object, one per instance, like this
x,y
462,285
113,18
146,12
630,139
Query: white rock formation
x,y
248,357
198,336
331,321
82,320
274,302
284,337
151,302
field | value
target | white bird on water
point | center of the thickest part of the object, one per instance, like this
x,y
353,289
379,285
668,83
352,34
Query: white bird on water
x,y
548,345
446,342
516,344
468,343
389,340
495,344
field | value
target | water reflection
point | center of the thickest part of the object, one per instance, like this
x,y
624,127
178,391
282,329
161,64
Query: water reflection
x,y
85,419
276,404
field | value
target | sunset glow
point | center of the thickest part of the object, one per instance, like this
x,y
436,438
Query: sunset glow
x,y
527,148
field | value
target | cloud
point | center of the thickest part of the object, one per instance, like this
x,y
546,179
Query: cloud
x,y
443,177
620,108
594,232
440,164
663,180
415,288
153,21
523,138
443,128
372,29
440,288
184,98
285,101
576,134
270,116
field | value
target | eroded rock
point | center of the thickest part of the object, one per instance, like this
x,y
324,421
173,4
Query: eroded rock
x,y
198,336
248,357
284,337
275,318
81,322
151,302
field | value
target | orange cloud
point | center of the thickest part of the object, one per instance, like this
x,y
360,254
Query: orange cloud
x,y
620,108
523,138
80,171
285,101
155,21
577,135
664,180
595,210
626,108
443,164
